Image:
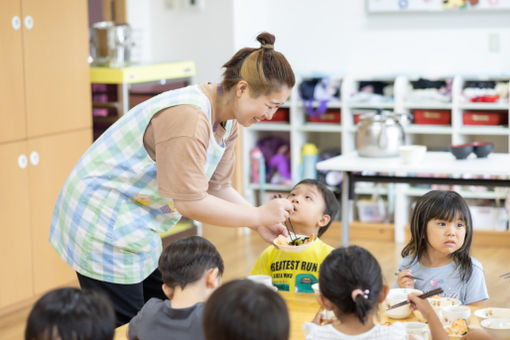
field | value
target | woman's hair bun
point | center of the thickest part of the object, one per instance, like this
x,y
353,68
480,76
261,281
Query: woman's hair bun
x,y
266,40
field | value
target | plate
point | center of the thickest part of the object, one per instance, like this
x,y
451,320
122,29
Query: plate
x,y
498,328
492,312
291,249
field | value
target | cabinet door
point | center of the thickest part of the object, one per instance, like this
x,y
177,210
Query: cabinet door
x,y
56,156
12,105
15,245
57,77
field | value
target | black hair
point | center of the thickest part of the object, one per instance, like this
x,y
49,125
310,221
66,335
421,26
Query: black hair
x,y
186,260
71,314
443,205
346,269
264,69
245,310
330,201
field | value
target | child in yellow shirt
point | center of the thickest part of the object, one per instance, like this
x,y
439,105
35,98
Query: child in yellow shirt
x,y
314,208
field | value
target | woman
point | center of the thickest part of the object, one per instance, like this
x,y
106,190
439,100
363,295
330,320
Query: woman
x,y
172,155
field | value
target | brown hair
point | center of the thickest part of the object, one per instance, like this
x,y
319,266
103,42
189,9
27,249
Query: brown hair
x,y
264,69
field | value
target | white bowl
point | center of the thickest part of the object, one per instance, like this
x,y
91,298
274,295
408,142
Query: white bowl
x,y
457,328
315,288
266,280
292,249
499,328
437,304
453,313
412,154
419,330
395,296
440,302
494,313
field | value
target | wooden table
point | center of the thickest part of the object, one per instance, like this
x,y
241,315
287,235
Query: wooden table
x,y
302,308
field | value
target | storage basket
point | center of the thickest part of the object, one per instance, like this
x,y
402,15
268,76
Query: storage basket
x,y
485,118
330,116
281,115
435,117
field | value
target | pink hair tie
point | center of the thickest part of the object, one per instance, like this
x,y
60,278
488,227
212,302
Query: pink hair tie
x,y
358,291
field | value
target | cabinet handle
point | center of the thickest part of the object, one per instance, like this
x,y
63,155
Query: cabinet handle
x,y
22,161
29,22
16,22
34,158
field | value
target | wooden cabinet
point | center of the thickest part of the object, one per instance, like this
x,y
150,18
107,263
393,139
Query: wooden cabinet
x,y
57,80
15,245
57,154
12,101
44,59
46,126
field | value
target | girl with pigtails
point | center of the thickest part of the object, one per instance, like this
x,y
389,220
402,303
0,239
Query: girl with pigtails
x,y
351,286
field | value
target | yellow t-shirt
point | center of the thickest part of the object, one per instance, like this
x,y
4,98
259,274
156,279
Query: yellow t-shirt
x,y
294,272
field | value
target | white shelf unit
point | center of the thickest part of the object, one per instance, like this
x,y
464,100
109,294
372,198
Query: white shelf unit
x,y
326,135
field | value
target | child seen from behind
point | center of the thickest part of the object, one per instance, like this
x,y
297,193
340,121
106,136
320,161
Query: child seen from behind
x,y
351,286
71,314
438,252
191,269
314,208
246,310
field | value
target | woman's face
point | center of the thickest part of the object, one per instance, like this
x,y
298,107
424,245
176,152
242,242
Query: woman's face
x,y
446,237
251,110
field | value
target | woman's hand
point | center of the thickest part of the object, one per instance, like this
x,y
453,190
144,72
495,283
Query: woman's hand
x,y
403,279
268,234
274,211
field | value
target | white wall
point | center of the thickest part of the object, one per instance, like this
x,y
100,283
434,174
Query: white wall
x,y
333,36
249,18
338,35
181,33
139,18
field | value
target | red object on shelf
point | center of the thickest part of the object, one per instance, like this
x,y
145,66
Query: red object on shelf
x,y
281,115
357,118
435,117
330,116
485,99
485,118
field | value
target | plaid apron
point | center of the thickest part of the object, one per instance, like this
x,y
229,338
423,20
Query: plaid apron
x,y
108,216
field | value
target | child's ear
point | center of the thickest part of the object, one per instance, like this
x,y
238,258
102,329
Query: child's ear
x,y
324,302
324,220
168,291
384,292
212,278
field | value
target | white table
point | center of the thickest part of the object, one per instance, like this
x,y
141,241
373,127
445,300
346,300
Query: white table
x,y
434,163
